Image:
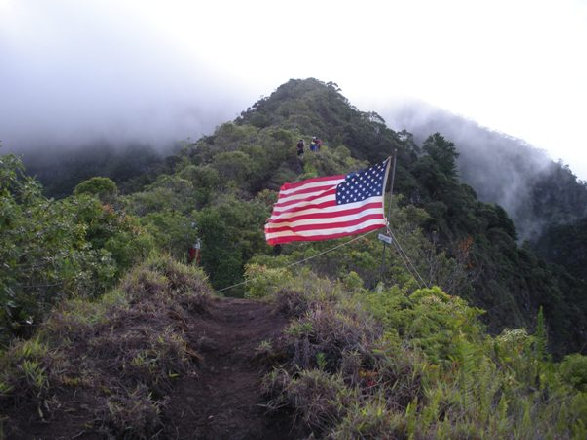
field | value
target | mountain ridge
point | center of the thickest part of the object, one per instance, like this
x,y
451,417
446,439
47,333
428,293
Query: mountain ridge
x,y
110,322
427,177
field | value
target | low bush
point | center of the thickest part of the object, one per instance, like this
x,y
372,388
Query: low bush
x,y
262,280
574,371
318,399
370,420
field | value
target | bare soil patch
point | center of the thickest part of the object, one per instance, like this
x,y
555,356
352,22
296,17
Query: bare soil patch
x,y
224,401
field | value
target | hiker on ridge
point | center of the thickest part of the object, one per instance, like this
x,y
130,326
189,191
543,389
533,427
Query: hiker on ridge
x,y
316,143
313,145
300,147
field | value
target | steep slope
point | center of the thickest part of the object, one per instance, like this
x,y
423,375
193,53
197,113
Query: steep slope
x,y
566,245
535,191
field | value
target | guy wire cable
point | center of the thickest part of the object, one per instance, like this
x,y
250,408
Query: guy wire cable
x,y
403,254
304,259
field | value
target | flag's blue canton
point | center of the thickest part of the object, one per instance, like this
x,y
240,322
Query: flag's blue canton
x,y
362,185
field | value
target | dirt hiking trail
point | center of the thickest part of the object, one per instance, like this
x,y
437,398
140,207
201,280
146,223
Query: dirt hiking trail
x,y
224,401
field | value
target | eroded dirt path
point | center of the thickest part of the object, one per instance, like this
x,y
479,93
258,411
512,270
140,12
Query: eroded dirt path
x,y
224,401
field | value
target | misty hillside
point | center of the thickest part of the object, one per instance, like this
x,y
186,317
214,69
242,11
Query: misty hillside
x,y
535,191
131,166
161,312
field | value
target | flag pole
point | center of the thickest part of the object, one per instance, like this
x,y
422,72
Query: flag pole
x,y
389,209
392,182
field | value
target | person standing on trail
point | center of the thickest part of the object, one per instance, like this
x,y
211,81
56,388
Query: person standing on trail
x,y
313,145
300,147
194,252
316,143
197,246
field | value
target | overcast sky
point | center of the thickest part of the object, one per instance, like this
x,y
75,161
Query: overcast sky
x,y
72,71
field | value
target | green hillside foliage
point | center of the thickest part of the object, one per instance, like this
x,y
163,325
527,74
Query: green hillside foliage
x,y
318,109
102,187
52,250
536,192
558,197
403,363
566,245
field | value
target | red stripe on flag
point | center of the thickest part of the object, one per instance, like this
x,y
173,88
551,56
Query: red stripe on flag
x,y
331,224
289,239
295,209
326,214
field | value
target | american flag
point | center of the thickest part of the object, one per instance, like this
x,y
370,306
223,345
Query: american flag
x,y
329,207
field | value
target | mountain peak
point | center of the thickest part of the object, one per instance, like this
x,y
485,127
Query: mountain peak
x,y
318,108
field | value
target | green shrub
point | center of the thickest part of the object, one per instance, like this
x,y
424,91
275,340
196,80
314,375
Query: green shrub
x,y
262,280
371,420
51,250
102,187
428,318
352,281
319,399
573,370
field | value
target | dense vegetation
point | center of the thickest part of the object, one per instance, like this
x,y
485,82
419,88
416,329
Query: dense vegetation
x,y
404,363
383,341
52,250
566,245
